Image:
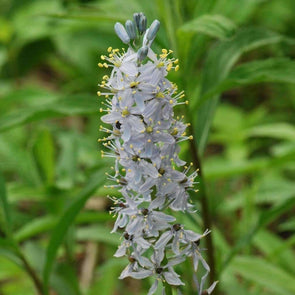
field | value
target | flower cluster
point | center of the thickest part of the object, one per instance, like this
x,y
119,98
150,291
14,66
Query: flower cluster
x,y
143,140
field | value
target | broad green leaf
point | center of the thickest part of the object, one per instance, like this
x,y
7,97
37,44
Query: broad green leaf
x,y
46,223
219,62
66,221
36,226
67,160
97,233
67,106
216,26
44,154
269,70
265,218
265,274
275,249
217,168
5,221
108,281
274,130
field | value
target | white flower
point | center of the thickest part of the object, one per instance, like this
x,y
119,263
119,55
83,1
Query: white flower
x,y
143,139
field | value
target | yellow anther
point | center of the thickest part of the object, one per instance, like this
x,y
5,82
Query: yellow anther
x,y
176,61
98,93
190,137
164,51
100,65
171,101
169,67
133,84
125,112
149,129
160,64
131,146
110,49
103,57
134,91
105,65
129,170
176,68
160,95
120,98
174,131
186,102
149,140
101,110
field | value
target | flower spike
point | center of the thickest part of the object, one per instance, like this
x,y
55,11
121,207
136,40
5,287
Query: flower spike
x,y
143,139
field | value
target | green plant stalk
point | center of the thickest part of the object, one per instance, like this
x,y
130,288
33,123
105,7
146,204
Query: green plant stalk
x,y
168,289
27,267
205,211
31,272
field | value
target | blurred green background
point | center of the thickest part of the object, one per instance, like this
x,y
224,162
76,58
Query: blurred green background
x,y
238,71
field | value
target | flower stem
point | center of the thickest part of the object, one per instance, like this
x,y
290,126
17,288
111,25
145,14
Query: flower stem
x,y
31,272
205,210
168,289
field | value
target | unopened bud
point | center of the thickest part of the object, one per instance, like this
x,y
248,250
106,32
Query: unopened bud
x,y
121,32
153,30
142,53
142,24
131,29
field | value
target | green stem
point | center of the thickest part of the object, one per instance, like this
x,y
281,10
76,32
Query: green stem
x,y
205,210
168,289
31,272
27,267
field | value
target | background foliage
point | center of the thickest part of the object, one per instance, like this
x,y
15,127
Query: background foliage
x,y
238,71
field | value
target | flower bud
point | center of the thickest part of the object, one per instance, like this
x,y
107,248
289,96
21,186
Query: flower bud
x,y
142,24
142,53
121,32
153,30
131,29
136,17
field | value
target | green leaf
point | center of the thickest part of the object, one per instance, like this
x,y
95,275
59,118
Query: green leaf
x,y
66,221
108,281
265,218
217,67
5,221
276,249
67,106
275,130
44,154
36,226
216,26
219,168
97,233
270,70
265,274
